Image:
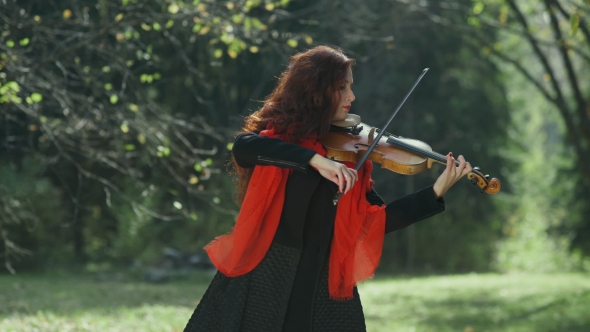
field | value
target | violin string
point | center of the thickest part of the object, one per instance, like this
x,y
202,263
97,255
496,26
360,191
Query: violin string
x,y
406,146
431,154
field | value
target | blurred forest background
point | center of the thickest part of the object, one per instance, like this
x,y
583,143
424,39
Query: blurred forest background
x,y
117,119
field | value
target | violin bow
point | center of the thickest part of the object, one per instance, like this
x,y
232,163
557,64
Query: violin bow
x,y
361,162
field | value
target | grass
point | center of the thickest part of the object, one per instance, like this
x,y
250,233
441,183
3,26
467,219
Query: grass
x,y
469,303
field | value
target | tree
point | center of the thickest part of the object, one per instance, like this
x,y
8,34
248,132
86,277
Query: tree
x,y
118,90
548,43
557,37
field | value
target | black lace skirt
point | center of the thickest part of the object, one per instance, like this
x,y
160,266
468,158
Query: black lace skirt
x,y
258,301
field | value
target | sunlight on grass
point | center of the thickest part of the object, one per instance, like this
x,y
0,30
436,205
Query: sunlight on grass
x,y
479,303
450,303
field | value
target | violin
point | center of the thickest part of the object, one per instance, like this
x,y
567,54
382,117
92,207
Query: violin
x,y
349,140
355,143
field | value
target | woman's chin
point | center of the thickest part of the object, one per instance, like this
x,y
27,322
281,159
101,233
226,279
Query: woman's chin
x,y
339,117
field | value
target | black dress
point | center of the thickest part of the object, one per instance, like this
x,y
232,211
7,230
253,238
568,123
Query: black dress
x,y
288,290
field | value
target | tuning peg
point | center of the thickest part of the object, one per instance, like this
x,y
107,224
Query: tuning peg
x,y
476,168
487,176
474,180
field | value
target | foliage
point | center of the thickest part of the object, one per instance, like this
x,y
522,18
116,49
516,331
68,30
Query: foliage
x,y
33,205
521,302
547,42
120,92
543,209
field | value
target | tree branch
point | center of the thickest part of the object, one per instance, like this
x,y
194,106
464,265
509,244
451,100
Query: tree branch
x,y
581,103
567,16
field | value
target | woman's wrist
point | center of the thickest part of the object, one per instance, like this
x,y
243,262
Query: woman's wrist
x,y
315,160
438,192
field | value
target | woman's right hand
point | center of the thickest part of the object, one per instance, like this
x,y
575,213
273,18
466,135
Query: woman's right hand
x,y
336,172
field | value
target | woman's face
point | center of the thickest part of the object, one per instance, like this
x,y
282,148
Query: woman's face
x,y
346,97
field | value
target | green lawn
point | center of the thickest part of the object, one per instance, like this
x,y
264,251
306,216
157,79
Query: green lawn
x,y
450,303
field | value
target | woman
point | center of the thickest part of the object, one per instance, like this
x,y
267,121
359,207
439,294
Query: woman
x,y
293,259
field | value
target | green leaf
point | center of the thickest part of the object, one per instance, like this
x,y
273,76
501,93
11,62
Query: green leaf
x,y
108,86
256,23
12,85
194,217
29,100
478,8
236,46
574,21
24,42
292,43
129,147
125,127
230,146
10,43
252,4
163,151
157,76
209,161
474,22
169,24
173,8
227,38
198,167
15,99
125,2
218,53
114,99
237,18
106,69
36,97
157,26
216,200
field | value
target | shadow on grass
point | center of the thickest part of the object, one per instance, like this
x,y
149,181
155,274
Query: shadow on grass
x,y
66,293
529,313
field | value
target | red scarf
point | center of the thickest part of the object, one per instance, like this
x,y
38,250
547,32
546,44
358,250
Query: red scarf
x,y
358,231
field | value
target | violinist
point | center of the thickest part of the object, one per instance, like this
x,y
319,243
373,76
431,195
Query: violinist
x,y
293,258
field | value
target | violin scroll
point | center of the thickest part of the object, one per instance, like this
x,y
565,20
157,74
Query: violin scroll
x,y
487,185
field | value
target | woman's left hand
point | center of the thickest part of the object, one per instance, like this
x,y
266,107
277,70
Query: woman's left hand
x,y
451,174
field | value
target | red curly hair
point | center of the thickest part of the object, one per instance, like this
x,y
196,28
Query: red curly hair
x,y
303,102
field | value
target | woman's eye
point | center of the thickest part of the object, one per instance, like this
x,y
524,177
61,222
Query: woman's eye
x,y
342,87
